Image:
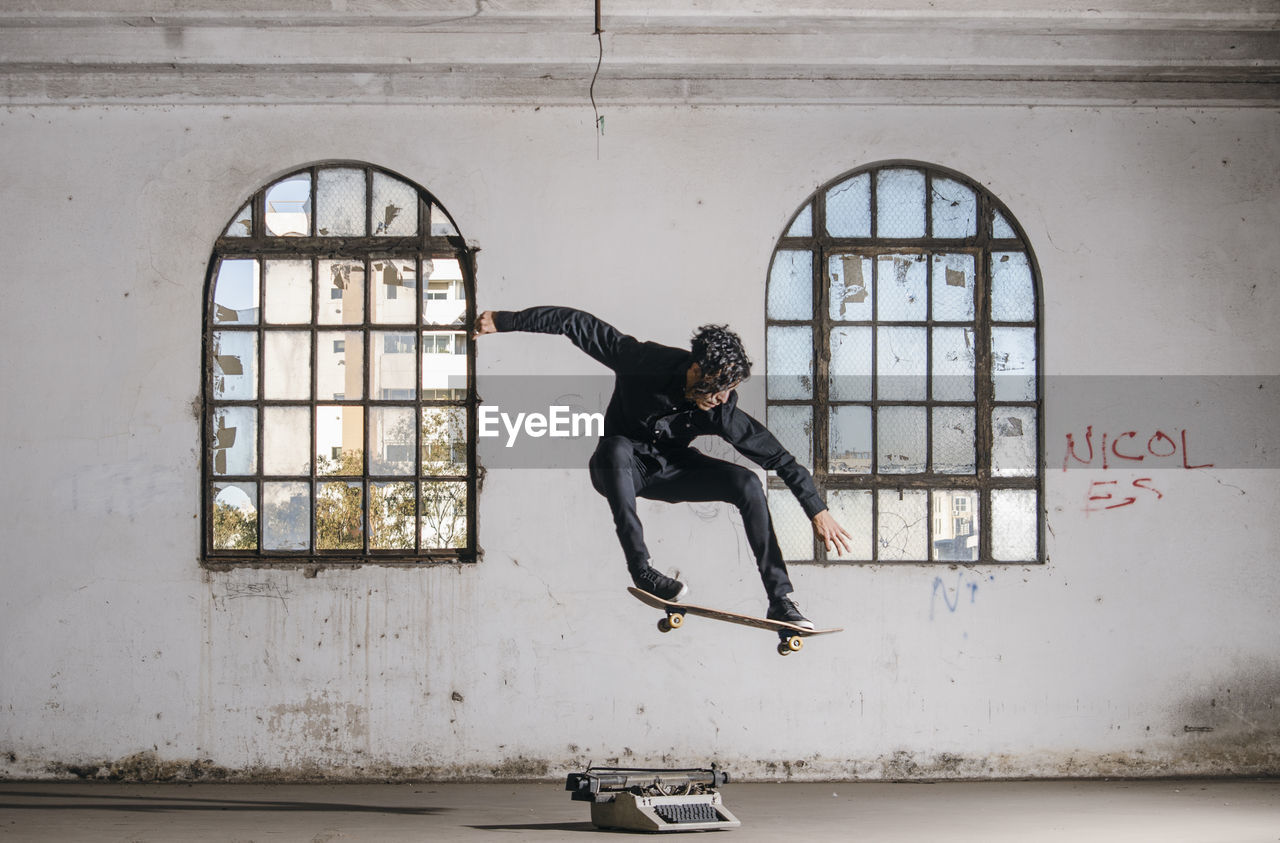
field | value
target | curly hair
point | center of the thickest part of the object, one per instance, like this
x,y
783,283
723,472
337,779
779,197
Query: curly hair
x,y
719,353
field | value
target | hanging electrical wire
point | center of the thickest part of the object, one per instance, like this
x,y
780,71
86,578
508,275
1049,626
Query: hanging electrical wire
x,y
599,118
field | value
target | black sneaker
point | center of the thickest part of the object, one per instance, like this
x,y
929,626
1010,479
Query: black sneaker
x,y
785,609
659,585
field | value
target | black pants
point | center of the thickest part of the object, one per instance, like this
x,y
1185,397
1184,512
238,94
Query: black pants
x,y
623,469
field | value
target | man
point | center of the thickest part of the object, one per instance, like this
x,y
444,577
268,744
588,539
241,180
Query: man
x,y
662,399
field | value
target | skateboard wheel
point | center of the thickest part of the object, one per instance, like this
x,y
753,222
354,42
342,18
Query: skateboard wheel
x,y
794,643
783,649
664,625
675,620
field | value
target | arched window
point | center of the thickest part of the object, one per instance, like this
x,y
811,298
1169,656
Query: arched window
x,y
339,399
903,337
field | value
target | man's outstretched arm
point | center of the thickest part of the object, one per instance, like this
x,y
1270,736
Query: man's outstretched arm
x,y
594,336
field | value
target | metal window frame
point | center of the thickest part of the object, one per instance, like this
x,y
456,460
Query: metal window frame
x,y
982,244
420,247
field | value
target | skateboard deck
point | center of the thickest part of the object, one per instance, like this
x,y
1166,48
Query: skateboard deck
x,y
790,637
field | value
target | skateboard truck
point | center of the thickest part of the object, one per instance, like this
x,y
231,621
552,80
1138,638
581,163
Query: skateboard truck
x,y
639,799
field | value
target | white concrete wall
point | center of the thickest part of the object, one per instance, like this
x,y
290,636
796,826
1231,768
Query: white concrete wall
x,y
1147,644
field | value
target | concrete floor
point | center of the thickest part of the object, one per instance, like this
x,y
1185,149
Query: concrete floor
x,y
1165,811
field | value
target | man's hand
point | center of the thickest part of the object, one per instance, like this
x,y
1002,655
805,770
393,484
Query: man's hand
x,y
485,324
831,533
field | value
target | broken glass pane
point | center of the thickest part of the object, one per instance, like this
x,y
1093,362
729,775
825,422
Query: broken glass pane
x,y
793,427
791,525
242,225
901,284
340,203
803,225
235,365
1013,525
392,508
953,276
395,207
393,440
441,225
289,207
849,208
286,509
791,285
850,368
955,209
393,367
901,363
444,440
339,516
395,291
902,528
340,365
286,441
953,364
288,291
900,203
444,515
235,440
1012,291
900,440
1013,441
235,292
339,440
340,292
1000,228
852,509
1013,363
286,366
235,516
955,525
789,363
444,365
444,296
849,439
850,291
953,440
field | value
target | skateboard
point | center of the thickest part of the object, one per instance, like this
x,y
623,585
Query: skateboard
x,y
790,637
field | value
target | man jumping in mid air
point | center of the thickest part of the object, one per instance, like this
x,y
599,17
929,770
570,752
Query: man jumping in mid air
x,y
662,399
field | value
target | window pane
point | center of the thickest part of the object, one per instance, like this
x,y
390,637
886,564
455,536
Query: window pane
x,y
955,209
287,511
395,207
444,515
441,226
953,364
339,516
1012,291
900,440
900,203
339,440
286,440
288,293
901,282
794,531
793,427
849,295
849,440
340,291
242,225
953,440
901,363
1013,442
235,292
1000,228
955,525
791,286
1013,363
235,516
286,366
850,367
340,203
444,298
340,362
444,365
953,276
235,440
392,440
235,365
902,529
1013,525
289,207
394,366
395,292
789,362
849,208
852,508
803,225
392,509
444,440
